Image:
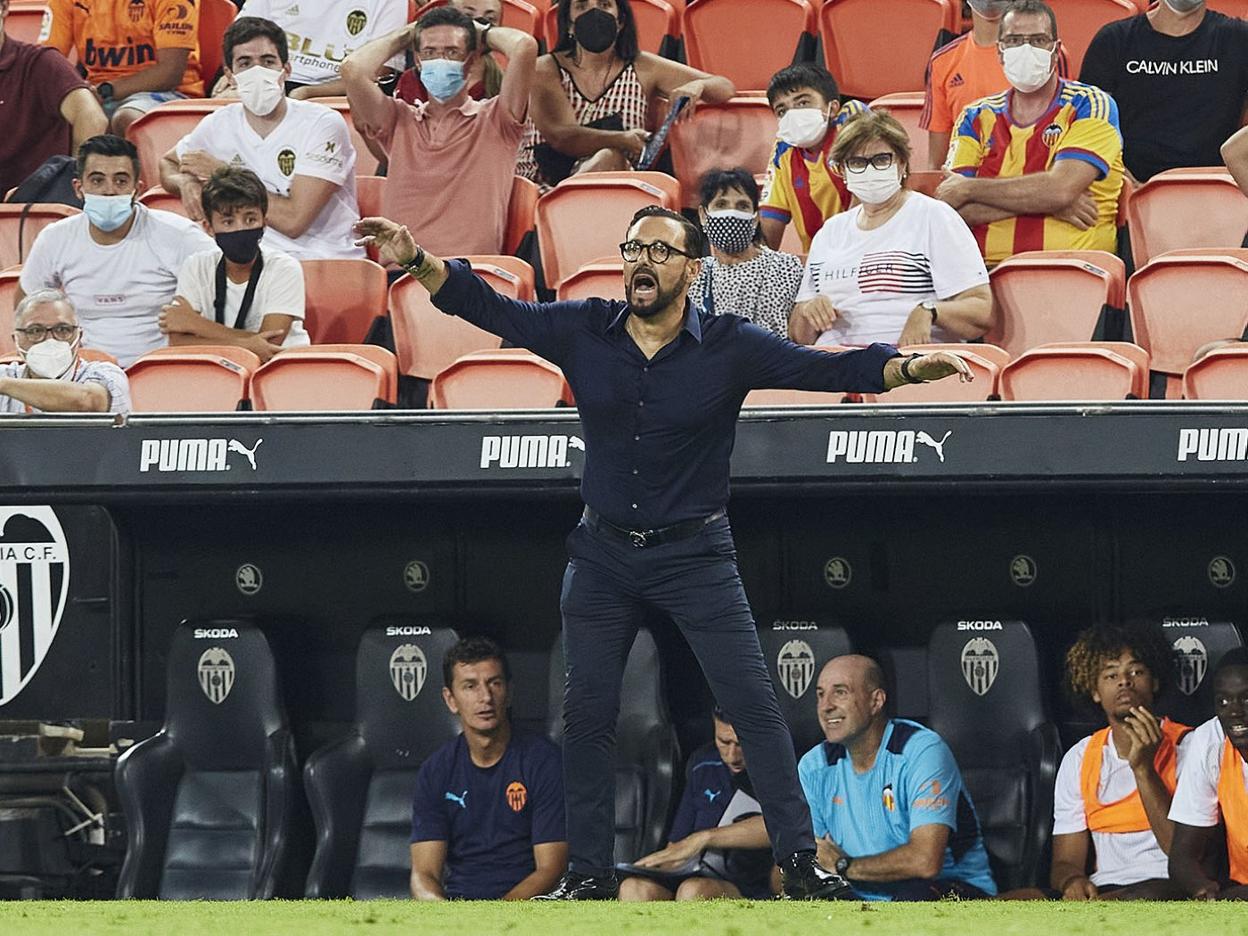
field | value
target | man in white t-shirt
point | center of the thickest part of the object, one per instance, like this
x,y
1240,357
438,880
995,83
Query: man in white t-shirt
x,y
238,293
118,261
899,267
301,150
321,35
1114,787
1213,788
51,377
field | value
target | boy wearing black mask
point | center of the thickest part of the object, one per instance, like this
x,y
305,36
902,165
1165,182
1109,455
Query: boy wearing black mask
x,y
237,294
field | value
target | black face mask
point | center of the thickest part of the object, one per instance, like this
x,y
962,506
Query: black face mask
x,y
595,30
240,246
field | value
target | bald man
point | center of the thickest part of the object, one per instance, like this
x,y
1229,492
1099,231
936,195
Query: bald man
x,y
890,810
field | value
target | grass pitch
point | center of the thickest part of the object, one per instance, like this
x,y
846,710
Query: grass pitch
x,y
718,918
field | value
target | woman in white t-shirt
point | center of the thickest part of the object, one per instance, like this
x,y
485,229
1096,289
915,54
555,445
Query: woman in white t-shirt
x,y
899,267
238,294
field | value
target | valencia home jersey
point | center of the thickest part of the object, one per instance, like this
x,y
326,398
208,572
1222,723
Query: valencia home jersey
x,y
1082,124
116,38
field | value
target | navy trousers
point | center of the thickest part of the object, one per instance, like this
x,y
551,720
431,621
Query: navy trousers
x,y
607,589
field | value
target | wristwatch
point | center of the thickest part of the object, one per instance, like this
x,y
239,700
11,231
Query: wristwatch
x,y
842,865
105,89
905,369
414,265
930,305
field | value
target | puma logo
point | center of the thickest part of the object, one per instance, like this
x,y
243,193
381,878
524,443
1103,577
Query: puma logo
x,y
710,796
250,454
927,440
458,799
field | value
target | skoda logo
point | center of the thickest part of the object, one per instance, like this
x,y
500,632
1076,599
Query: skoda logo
x,y
1221,572
1023,570
416,576
249,578
837,572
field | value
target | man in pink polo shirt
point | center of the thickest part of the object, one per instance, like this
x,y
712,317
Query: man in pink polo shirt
x,y
451,159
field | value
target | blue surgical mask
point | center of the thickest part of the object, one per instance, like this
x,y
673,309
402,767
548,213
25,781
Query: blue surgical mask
x,y
442,78
108,212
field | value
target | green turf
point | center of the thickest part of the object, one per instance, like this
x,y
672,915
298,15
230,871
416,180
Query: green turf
x,y
720,918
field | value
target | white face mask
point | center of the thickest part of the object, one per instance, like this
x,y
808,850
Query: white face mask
x,y
260,89
873,186
50,358
803,126
1026,67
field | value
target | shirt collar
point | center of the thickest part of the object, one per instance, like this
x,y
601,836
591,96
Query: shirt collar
x,y
693,324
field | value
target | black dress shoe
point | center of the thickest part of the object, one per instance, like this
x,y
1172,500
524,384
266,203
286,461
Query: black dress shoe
x,y
574,886
803,878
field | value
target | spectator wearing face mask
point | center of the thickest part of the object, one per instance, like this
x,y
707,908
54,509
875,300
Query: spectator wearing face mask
x,y
484,75
899,267
237,293
1038,167
1179,74
963,71
118,260
591,95
742,275
801,187
300,149
51,377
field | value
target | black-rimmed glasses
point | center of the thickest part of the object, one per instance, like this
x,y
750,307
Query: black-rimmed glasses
x,y
860,163
657,251
36,333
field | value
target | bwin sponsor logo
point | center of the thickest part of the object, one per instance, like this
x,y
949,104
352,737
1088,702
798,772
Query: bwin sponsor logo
x,y
881,446
528,451
1213,444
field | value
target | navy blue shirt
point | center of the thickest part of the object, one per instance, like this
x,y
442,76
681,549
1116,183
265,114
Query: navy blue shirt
x,y
490,817
658,433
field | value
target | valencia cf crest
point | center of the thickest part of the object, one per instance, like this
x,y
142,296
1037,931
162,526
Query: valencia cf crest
x,y
356,21
517,795
286,161
34,584
136,9
1052,133
216,674
795,666
1193,662
980,663
408,669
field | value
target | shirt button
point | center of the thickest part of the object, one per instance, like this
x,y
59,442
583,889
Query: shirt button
x,y
646,368
641,402
636,438
634,506
634,471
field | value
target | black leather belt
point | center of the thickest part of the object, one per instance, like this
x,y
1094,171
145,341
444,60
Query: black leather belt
x,y
644,538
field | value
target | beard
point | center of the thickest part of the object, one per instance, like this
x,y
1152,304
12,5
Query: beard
x,y
654,301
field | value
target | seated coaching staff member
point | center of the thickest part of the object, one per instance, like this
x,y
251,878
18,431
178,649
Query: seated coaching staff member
x,y
487,818
659,384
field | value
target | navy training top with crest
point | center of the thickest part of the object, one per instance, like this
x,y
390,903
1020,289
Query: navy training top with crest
x,y
658,432
490,817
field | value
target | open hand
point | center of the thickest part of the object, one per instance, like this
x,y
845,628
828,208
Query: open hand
x,y
940,365
675,854
393,241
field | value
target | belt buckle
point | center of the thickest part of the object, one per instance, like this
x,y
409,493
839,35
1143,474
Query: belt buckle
x,y
638,538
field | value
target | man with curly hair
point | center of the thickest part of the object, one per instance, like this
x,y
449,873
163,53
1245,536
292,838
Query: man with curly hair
x,y
1114,787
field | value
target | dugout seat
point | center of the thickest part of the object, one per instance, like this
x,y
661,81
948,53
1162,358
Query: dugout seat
x,y
1077,371
382,357
986,363
203,379
794,659
1180,209
316,380
342,298
1079,20
647,753
717,41
209,799
1198,643
740,132
869,61
360,787
1043,296
1222,374
20,225
987,702
509,378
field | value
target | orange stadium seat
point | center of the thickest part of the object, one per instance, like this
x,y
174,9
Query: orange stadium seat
x,y
369,190
658,25
747,41
205,379
1079,20
157,198
1180,303
24,20
1046,296
93,354
1222,374
741,132
319,381
8,304
159,130
18,233
584,217
1178,208
907,107
428,340
215,17
986,363
868,60
602,280
924,180
1131,351
524,16
342,297
509,378
1070,373
1230,7
382,357
521,211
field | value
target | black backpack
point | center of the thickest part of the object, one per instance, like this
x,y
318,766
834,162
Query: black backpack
x,y
51,183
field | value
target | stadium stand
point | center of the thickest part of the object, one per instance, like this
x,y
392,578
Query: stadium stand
x,y
319,380
1183,208
1070,372
741,132
604,279
648,756
342,298
1043,296
21,224
360,787
869,61
794,660
1004,743
190,379
1222,374
986,363
907,107
8,303
658,26
727,37
1079,20
509,378
24,21
209,800
215,17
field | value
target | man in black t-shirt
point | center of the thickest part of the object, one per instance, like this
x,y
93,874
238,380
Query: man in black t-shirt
x,y
1180,75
